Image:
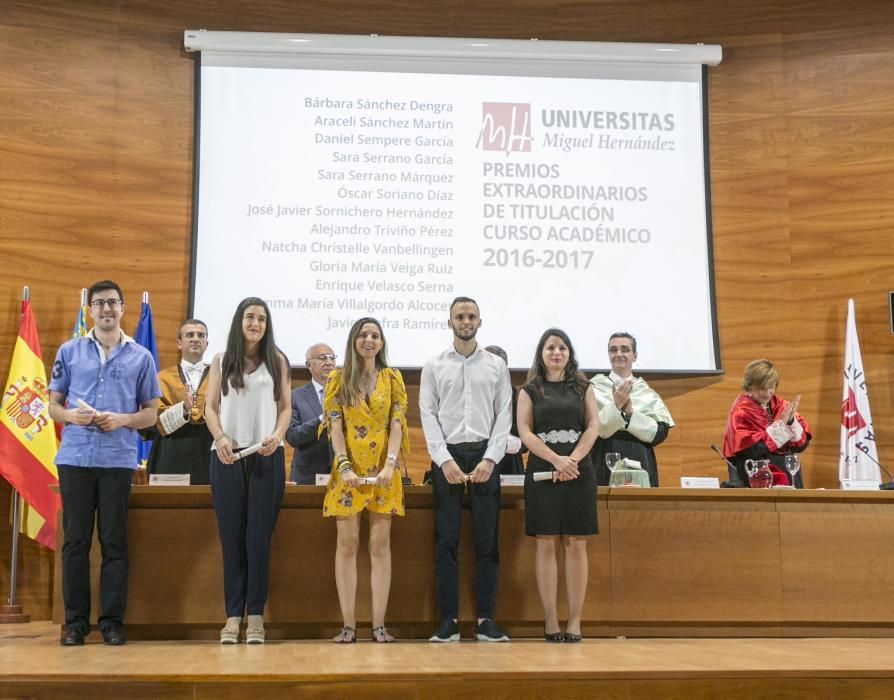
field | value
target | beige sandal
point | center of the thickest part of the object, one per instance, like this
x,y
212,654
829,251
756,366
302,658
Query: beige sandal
x,y
229,634
254,634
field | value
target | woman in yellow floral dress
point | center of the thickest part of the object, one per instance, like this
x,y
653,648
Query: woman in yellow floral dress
x,y
365,406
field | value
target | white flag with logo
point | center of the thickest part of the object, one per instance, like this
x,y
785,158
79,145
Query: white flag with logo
x,y
858,457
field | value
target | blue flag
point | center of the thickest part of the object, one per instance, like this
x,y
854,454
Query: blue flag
x,y
145,336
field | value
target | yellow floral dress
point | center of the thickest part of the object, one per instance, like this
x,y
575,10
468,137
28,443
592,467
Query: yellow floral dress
x,y
366,438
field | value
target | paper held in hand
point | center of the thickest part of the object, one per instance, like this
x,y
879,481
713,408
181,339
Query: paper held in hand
x,y
247,451
80,403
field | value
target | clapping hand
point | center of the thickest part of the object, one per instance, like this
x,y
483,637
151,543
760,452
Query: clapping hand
x,y
621,394
790,410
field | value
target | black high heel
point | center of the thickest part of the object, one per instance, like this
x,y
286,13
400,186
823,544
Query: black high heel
x,y
570,638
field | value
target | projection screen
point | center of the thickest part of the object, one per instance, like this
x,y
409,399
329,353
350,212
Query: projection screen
x,y
559,184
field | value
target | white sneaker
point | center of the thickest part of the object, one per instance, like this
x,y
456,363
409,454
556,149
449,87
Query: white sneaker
x,y
229,634
254,633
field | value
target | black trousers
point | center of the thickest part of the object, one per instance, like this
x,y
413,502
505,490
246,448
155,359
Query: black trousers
x,y
99,493
246,497
485,502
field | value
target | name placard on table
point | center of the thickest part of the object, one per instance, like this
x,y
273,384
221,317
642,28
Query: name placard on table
x,y
169,479
859,485
699,482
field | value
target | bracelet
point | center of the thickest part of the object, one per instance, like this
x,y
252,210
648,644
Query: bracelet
x,y
391,458
343,464
222,435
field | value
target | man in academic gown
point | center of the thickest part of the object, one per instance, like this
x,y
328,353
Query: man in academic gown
x,y
632,417
182,441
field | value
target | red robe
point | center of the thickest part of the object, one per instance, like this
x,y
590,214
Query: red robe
x,y
748,424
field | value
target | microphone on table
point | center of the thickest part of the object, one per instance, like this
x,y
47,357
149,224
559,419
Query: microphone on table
x,y
887,485
405,480
728,484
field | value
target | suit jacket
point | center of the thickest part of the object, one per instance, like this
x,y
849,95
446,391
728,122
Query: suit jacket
x,y
313,455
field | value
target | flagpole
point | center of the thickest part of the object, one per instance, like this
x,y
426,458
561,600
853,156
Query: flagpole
x,y
12,612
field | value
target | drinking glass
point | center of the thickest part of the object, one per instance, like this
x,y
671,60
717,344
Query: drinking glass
x,y
612,458
792,465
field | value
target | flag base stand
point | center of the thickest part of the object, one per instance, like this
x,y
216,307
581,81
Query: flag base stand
x,y
12,614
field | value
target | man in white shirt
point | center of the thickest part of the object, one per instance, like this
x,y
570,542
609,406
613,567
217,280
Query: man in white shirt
x,y
182,441
465,401
312,454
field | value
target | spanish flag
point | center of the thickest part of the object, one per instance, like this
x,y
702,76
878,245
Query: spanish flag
x,y
28,436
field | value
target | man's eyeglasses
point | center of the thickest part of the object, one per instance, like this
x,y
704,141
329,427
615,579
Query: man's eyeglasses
x,y
323,358
111,303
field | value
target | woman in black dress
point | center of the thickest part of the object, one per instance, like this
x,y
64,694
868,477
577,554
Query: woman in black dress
x,y
558,421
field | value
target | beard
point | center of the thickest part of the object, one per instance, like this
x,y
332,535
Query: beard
x,y
464,335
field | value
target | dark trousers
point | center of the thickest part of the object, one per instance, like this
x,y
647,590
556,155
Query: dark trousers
x,y
246,497
485,502
101,493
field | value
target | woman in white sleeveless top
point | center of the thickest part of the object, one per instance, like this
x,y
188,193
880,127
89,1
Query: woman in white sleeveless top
x,y
248,404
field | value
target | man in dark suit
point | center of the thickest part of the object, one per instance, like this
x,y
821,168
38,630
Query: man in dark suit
x,y
313,454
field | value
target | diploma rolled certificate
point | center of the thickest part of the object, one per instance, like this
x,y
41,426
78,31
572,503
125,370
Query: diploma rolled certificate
x,y
80,403
544,476
247,451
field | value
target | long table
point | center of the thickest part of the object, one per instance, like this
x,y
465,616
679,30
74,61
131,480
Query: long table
x,y
666,562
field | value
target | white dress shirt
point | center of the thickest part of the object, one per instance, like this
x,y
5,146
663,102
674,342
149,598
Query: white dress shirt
x,y
193,373
173,418
319,389
465,399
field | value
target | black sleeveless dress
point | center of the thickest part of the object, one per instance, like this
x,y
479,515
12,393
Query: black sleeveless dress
x,y
562,507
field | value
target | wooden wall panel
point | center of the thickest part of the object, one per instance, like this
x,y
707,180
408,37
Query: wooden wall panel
x,y
96,148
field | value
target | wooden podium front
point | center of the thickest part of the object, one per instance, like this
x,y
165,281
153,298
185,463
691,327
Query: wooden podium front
x,y
667,562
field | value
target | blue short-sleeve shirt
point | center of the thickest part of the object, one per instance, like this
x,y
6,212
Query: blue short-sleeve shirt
x,y
120,383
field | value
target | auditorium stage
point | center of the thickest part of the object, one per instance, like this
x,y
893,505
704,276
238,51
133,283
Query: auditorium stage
x,y
33,664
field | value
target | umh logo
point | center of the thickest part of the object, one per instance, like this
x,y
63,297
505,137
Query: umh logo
x,y
505,126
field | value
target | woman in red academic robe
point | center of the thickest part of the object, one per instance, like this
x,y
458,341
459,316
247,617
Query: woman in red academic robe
x,y
762,425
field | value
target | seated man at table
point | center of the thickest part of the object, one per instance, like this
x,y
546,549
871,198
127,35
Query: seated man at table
x,y
182,441
632,416
313,454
